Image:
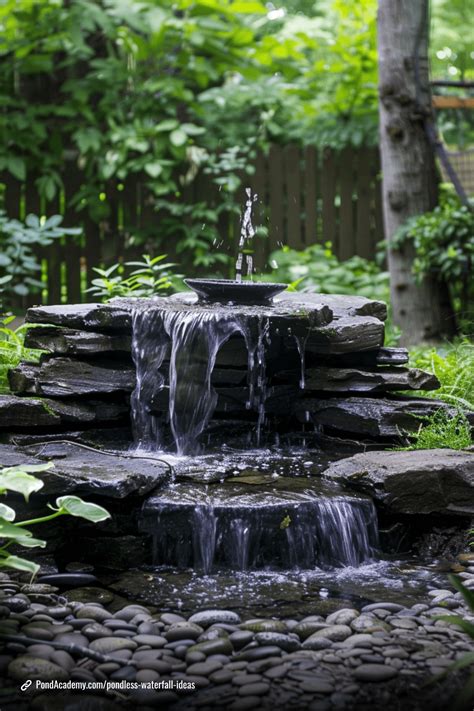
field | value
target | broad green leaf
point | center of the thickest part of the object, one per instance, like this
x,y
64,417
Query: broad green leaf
x,y
31,542
17,479
178,137
75,506
12,530
7,512
16,563
153,169
17,167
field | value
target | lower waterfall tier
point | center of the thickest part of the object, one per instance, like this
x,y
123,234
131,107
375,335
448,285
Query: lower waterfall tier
x,y
294,523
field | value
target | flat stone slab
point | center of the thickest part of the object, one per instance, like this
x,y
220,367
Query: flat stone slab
x,y
88,317
346,335
367,416
413,482
69,341
63,377
80,471
25,412
340,304
365,380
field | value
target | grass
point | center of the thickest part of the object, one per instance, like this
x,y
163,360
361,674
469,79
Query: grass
x,y
442,430
453,365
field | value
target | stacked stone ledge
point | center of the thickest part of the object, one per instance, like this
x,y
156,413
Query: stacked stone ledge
x,y
352,382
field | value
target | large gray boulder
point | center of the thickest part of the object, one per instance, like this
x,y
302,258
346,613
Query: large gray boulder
x,y
424,481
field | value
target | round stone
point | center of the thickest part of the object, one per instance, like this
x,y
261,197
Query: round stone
x,y
150,640
317,686
128,612
222,676
213,646
374,672
336,633
314,643
93,612
206,618
284,641
63,659
204,668
169,618
108,645
264,626
247,702
241,638
24,668
251,655
306,629
242,679
259,688
95,630
342,617
183,630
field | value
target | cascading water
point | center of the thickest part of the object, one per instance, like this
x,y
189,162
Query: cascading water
x,y
224,526
191,341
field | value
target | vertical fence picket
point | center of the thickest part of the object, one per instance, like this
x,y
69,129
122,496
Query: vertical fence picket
x,y
33,206
73,256
363,237
276,198
310,194
293,196
328,194
347,222
54,256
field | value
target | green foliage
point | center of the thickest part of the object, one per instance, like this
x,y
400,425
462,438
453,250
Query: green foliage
x,y
151,277
19,265
317,268
20,480
13,351
453,365
444,244
442,430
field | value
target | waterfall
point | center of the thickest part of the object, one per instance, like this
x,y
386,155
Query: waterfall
x,y
191,340
282,530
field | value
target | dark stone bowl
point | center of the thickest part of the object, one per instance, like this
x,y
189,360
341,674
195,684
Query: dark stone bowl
x,y
224,291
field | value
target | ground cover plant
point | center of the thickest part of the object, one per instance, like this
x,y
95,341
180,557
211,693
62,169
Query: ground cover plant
x,y
21,480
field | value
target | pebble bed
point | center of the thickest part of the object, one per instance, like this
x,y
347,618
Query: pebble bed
x,y
372,658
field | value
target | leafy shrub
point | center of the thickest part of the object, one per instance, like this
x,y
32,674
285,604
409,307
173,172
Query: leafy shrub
x,y
20,480
453,365
317,268
151,277
19,265
442,430
444,244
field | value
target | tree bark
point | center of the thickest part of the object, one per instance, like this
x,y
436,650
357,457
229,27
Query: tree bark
x,y
409,173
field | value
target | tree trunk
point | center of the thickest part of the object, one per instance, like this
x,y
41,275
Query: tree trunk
x,y
408,167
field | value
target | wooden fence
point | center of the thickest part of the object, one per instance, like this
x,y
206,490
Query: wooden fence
x,y
305,196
